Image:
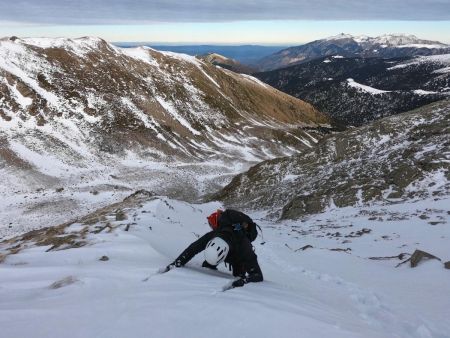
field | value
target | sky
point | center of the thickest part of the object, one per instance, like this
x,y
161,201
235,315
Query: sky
x,y
224,22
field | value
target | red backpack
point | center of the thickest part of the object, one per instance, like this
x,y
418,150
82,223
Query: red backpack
x,y
213,219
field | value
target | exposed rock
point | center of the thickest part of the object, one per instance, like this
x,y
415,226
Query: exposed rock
x,y
61,237
303,248
63,282
447,265
417,256
399,256
104,258
120,215
359,233
227,63
341,250
436,222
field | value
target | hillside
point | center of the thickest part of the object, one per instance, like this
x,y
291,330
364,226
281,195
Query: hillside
x,y
98,276
358,90
81,117
393,160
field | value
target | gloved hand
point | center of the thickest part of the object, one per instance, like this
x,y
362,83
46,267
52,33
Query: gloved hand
x,y
175,264
239,282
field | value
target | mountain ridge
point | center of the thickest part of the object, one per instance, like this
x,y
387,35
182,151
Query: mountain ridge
x,y
384,46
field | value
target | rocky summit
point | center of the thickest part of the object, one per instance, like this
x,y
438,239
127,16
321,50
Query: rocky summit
x,y
395,159
227,63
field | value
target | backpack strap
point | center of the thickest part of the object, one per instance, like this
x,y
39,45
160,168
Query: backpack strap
x,y
262,235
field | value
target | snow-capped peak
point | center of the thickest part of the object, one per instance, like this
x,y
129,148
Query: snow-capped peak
x,y
339,37
62,42
396,39
390,40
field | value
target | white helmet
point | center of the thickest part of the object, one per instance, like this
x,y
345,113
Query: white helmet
x,y
216,251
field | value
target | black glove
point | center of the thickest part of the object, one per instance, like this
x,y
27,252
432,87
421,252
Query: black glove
x,y
239,282
175,264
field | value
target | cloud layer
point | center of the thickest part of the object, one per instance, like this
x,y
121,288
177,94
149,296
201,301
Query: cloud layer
x,y
82,12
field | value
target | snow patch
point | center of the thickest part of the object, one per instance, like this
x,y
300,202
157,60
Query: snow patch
x,y
254,79
424,92
365,88
141,54
170,108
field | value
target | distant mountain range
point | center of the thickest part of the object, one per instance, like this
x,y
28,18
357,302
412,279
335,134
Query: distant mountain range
x,y
385,46
245,54
357,90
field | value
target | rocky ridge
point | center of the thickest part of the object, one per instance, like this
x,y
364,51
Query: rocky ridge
x,y
227,63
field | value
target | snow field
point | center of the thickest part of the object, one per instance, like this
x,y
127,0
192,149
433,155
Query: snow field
x,y
310,293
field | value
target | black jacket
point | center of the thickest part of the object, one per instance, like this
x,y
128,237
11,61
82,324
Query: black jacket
x,y
230,220
239,239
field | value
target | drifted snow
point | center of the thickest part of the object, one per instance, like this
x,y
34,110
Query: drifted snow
x,y
424,92
422,45
139,53
443,59
390,40
255,80
174,112
365,88
312,293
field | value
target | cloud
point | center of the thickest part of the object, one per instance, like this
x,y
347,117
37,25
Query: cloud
x,y
82,12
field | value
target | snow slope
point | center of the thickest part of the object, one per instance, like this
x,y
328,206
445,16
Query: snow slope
x,y
317,292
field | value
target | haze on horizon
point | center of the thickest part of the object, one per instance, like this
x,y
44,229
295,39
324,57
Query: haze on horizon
x,y
283,22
